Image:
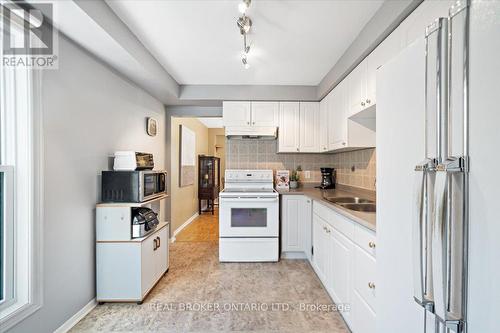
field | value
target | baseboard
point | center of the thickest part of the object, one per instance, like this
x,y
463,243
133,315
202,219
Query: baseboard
x,y
185,224
76,317
293,255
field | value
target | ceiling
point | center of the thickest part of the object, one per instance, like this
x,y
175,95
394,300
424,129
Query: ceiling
x,y
294,42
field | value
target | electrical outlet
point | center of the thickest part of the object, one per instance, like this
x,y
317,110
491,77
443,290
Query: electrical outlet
x,y
307,174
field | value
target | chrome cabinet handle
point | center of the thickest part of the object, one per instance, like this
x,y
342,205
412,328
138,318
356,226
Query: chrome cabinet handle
x,y
253,123
371,285
368,101
248,123
155,245
343,143
371,245
297,149
308,201
159,242
362,103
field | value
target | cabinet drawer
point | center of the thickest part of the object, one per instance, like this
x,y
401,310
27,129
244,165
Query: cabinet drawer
x,y
342,224
366,239
321,210
364,276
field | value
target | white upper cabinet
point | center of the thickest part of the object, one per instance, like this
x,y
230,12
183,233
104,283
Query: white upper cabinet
x,y
241,113
337,121
357,88
323,125
299,127
308,127
236,113
382,54
372,63
265,113
288,135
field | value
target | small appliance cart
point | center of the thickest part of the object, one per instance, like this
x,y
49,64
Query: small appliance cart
x,y
208,181
128,268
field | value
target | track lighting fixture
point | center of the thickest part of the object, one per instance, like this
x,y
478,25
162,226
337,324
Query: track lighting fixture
x,y
244,23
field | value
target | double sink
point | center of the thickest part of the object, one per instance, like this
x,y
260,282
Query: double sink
x,y
354,203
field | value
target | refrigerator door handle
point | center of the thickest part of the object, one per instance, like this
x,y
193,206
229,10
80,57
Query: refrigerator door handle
x,y
422,249
448,243
439,245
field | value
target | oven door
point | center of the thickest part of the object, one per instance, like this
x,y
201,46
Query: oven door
x,y
248,216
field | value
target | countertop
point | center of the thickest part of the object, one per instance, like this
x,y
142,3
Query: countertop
x,y
367,220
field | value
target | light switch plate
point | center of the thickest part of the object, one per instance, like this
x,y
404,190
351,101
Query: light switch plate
x,y
307,174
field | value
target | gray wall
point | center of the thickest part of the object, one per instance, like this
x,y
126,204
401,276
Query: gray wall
x,y
89,112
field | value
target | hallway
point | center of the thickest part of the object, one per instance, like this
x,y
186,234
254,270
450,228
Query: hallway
x,y
205,228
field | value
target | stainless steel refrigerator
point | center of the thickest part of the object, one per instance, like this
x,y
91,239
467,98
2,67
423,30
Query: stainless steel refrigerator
x,y
443,90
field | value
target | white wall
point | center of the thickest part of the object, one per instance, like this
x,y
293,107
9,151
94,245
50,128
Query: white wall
x,y
89,112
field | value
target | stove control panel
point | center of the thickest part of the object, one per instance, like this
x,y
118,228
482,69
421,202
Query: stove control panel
x,y
249,175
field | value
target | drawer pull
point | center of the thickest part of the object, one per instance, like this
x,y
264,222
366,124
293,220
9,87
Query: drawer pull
x,y
371,285
371,245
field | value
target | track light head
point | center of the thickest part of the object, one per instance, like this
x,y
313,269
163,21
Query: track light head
x,y
244,23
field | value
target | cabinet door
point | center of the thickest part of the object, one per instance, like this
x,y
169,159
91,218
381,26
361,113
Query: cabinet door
x,y
357,89
340,273
265,113
236,113
338,110
323,124
309,127
148,263
162,252
306,219
319,242
373,61
364,276
292,234
288,134
382,54
363,318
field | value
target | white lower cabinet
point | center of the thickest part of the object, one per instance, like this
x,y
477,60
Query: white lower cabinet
x,y
363,317
321,254
127,270
344,267
341,270
296,214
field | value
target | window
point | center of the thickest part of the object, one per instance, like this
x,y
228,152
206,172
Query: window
x,y
20,192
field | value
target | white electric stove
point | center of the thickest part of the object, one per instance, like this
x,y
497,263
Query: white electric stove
x,y
248,217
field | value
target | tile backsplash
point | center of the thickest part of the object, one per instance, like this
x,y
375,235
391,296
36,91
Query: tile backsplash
x,y
354,168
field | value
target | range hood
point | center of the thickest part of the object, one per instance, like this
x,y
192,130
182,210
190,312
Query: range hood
x,y
252,132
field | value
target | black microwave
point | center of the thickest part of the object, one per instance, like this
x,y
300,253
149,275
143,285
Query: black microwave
x,y
133,186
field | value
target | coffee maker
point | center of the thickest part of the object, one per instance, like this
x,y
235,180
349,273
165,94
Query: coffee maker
x,y
327,178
